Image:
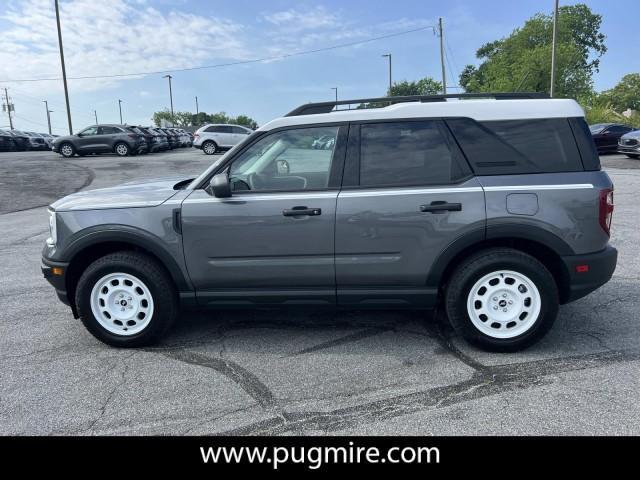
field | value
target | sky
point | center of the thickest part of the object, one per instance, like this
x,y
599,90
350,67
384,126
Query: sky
x,y
130,36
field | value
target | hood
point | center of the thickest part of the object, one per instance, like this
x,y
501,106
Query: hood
x,y
632,134
148,193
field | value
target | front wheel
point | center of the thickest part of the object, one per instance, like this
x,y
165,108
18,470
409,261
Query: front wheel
x,y
122,149
67,150
502,299
209,147
126,299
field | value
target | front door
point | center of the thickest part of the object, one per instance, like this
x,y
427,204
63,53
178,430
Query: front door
x,y
86,141
273,239
408,194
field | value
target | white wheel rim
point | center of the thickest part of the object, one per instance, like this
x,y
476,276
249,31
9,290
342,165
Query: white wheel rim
x,y
121,149
209,148
66,150
122,304
504,304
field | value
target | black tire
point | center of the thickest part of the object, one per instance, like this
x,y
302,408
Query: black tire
x,y
210,147
67,150
121,149
483,263
631,155
157,280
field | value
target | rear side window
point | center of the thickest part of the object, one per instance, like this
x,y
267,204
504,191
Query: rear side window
x,y
586,145
408,153
517,146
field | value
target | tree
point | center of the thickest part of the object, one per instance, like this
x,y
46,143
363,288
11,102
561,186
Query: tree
x,y
159,116
188,119
626,94
424,86
522,61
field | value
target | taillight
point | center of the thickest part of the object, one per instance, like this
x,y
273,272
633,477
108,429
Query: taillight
x,y
196,135
606,209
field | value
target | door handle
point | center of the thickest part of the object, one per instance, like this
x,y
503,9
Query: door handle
x,y
301,211
441,207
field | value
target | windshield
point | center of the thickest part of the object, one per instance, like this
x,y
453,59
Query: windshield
x,y
598,127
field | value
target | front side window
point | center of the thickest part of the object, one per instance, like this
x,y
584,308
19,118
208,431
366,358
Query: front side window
x,y
289,160
89,131
407,153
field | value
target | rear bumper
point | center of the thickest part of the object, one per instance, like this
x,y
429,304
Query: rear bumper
x,y
601,266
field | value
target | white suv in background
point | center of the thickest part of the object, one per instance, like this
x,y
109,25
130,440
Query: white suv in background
x,y
213,138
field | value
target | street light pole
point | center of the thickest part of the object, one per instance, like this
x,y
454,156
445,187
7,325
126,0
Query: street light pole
x,y
553,50
120,108
444,75
46,105
64,71
170,96
197,110
6,96
95,114
336,90
388,55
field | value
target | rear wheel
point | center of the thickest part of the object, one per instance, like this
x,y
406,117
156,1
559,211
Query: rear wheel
x,y
126,299
502,300
122,149
209,147
67,150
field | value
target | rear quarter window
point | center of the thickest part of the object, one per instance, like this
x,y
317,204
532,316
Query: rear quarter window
x,y
517,146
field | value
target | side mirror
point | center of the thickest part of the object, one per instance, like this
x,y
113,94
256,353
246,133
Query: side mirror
x,y
220,185
283,167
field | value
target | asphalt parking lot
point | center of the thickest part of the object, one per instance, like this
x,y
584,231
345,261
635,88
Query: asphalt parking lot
x,y
284,372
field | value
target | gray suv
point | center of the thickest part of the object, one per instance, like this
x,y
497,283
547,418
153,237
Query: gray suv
x,y
495,209
122,140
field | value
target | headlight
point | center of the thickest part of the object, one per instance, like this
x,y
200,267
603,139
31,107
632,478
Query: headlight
x,y
53,231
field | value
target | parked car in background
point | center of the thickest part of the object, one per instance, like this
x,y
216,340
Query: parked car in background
x,y
107,138
162,138
7,142
606,135
21,140
629,144
213,138
172,137
38,141
48,139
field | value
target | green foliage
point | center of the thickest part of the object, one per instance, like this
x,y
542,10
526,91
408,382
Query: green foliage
x,y
626,94
599,109
424,86
188,119
522,61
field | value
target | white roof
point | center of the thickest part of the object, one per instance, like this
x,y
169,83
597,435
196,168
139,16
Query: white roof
x,y
481,110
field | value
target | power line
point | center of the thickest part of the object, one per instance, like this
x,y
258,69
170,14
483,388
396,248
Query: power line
x,y
229,64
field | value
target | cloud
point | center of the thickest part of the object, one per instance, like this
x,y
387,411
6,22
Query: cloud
x,y
117,36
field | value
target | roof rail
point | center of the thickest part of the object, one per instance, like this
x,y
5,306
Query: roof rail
x,y
326,107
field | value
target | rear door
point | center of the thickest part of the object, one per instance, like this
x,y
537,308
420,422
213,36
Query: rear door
x,y
407,195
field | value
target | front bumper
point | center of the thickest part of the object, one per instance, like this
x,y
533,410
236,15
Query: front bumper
x,y
58,281
599,270
631,150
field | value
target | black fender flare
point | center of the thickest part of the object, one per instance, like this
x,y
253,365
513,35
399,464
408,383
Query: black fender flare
x,y
127,234
495,232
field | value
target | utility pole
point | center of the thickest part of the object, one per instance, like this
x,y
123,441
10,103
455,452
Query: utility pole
x,y
444,75
336,90
120,107
388,55
95,114
64,71
9,108
197,111
553,50
46,105
170,96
